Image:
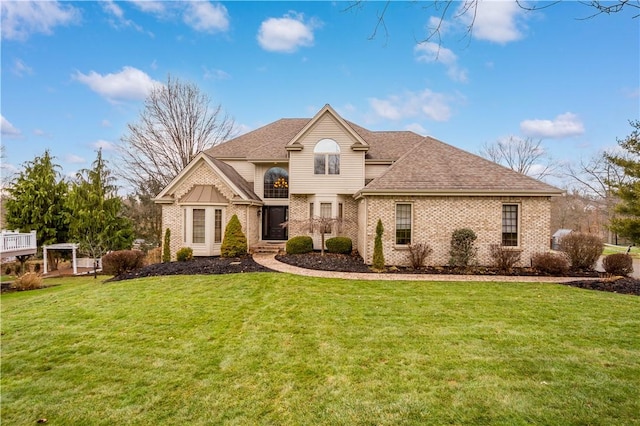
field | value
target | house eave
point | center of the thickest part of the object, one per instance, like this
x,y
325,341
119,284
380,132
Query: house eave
x,y
163,200
456,193
268,161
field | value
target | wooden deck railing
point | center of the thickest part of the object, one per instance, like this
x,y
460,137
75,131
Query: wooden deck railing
x,y
16,243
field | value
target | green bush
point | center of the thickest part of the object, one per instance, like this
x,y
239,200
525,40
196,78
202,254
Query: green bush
x,y
618,264
341,245
463,251
550,263
166,246
234,243
582,249
378,253
184,254
122,261
299,245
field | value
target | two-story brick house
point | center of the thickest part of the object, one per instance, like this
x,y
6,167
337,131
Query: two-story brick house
x,y
422,190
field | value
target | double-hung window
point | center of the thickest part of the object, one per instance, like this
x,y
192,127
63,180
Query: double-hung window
x,y
403,224
326,157
325,213
510,225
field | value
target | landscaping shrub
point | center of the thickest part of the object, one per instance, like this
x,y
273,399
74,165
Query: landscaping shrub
x,y
122,261
299,245
504,258
550,263
28,281
618,264
184,254
463,251
166,246
8,270
582,249
234,243
342,245
153,256
418,253
378,254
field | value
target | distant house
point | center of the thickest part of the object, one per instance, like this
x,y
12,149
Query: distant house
x,y
325,166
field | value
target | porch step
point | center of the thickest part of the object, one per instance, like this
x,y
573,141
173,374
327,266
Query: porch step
x,y
268,247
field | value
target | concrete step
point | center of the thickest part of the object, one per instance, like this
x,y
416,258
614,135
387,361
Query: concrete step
x,y
268,247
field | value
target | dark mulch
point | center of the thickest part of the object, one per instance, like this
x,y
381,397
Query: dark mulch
x,y
197,266
354,263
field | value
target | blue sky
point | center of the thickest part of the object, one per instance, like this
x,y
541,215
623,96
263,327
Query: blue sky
x,y
75,73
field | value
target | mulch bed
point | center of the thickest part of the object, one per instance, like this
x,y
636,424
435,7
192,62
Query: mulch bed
x,y
197,266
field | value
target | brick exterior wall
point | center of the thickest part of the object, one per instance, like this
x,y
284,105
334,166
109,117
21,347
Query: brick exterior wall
x,y
172,214
435,219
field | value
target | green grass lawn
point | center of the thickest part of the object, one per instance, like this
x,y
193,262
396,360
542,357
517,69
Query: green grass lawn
x,y
610,249
277,349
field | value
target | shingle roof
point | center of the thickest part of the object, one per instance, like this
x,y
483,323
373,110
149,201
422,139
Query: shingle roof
x,y
432,165
236,178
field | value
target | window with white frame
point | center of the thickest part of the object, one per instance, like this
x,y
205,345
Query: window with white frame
x,y
403,224
326,157
325,212
198,226
510,225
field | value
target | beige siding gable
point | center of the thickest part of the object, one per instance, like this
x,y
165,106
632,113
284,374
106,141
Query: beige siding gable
x,y
301,171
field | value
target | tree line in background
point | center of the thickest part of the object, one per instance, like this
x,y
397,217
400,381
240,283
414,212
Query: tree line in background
x,y
178,122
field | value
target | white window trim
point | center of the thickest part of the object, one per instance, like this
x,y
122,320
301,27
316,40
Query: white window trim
x,y
395,224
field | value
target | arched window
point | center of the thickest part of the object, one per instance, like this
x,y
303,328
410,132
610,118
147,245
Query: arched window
x,y
326,158
276,183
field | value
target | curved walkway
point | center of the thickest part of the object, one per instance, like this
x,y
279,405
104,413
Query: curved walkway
x,y
269,260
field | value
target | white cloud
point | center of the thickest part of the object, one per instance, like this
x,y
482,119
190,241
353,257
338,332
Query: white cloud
x,y
215,74
111,7
20,19
206,17
417,128
74,159
495,20
564,125
104,145
286,34
20,68
430,52
154,7
128,84
8,130
425,104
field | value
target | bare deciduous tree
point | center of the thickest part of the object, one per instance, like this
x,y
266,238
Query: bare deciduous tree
x,y
176,124
467,10
526,156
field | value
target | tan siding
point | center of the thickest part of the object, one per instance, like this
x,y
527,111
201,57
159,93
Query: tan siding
x,y
244,168
372,171
301,176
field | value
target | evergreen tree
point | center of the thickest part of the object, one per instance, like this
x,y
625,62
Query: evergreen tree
x,y
96,221
628,224
378,255
37,201
234,243
166,246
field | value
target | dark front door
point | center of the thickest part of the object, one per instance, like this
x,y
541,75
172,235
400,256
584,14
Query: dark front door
x,y
272,217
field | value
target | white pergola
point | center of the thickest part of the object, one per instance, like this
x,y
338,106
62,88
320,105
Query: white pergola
x,y
61,246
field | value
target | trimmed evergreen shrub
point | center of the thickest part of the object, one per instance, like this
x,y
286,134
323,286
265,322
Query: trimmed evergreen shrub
x,y
378,254
618,264
299,245
418,253
122,261
550,263
582,249
504,258
184,254
166,246
342,245
463,251
234,243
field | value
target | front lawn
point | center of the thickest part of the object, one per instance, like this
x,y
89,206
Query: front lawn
x,y
267,348
611,249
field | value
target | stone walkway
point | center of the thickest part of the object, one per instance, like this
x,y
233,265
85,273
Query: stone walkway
x,y
269,260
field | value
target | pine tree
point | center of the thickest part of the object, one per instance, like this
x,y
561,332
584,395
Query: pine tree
x,y
166,247
628,224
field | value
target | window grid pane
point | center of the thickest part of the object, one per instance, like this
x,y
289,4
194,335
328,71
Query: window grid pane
x,y
319,164
325,211
334,164
403,224
510,225
217,233
197,236
276,183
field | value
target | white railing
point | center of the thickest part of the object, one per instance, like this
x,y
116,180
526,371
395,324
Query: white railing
x,y
15,241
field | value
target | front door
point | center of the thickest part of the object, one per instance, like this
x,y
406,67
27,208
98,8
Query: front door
x,y
272,218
